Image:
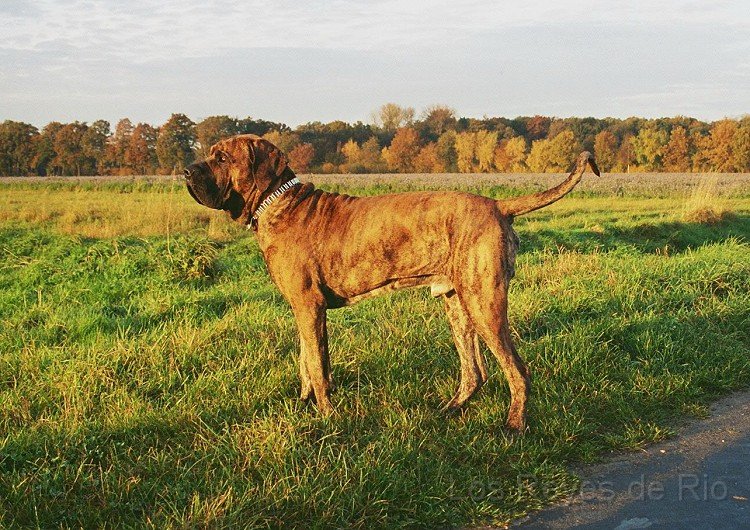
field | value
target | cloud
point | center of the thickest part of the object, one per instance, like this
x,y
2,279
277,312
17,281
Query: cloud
x,y
292,61
142,31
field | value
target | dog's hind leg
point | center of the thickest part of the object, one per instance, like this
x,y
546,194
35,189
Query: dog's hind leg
x,y
307,389
483,292
473,366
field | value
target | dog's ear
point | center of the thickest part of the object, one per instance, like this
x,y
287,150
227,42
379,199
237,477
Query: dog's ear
x,y
267,162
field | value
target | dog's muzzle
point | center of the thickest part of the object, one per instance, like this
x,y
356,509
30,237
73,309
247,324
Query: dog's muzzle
x,y
202,186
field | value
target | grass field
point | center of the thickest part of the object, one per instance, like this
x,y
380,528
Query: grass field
x,y
148,366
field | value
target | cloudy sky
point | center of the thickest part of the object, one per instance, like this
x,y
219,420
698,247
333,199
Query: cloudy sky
x,y
299,61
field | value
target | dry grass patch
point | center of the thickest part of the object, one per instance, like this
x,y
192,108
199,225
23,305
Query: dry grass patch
x,y
706,205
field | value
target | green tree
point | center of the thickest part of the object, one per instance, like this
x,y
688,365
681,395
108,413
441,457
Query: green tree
x,y
94,145
625,154
259,127
446,150
213,129
44,152
174,146
648,146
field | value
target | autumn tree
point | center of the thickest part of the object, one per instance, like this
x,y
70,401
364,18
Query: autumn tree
x,y
400,155
700,160
605,150
475,151
69,154
436,119
113,158
352,151
174,146
17,147
719,151
428,160
537,127
465,144
484,153
391,117
284,140
371,156
676,153
300,157
510,155
555,155
140,154
741,145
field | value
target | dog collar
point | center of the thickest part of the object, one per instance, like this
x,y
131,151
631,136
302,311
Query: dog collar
x,y
269,200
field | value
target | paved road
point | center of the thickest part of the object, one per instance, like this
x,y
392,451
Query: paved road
x,y
700,479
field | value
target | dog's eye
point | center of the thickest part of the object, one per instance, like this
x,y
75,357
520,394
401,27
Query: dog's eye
x,y
221,157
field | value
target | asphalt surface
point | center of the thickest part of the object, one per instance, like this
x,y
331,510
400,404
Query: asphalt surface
x,y
698,480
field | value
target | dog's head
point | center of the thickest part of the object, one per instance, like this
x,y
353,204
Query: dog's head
x,y
237,172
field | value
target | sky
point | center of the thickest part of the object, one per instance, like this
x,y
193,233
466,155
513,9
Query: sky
x,y
300,61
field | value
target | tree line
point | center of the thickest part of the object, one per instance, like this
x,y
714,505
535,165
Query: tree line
x,y
396,140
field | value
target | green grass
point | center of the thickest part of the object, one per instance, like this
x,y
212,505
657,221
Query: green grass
x,y
150,380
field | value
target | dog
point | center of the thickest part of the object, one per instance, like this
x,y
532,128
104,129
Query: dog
x,y
325,250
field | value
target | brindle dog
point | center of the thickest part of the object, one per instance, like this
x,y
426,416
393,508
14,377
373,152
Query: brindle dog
x,y
325,250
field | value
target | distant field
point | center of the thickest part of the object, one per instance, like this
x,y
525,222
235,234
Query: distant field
x,y
148,366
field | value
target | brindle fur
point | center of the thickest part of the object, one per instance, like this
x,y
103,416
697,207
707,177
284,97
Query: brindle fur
x,y
325,250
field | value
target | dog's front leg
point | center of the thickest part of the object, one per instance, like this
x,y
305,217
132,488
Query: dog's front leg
x,y
315,368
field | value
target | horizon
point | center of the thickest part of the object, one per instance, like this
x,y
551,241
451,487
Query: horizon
x,y
295,64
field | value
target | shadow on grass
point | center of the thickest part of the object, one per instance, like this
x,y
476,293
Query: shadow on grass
x,y
285,466
650,237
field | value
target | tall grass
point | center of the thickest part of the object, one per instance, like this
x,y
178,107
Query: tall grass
x,y
151,381
705,205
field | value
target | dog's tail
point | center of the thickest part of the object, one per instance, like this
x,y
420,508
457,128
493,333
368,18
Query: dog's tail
x,y
529,203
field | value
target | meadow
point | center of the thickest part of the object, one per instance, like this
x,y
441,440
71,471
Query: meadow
x,y
148,372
